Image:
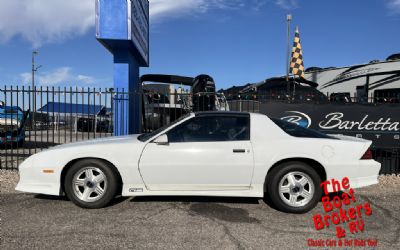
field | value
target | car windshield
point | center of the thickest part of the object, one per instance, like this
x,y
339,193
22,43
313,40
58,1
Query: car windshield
x,y
145,137
298,131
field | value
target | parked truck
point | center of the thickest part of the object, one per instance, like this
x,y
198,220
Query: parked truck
x,y
12,125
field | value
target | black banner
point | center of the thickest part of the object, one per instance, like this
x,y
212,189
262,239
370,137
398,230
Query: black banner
x,y
380,123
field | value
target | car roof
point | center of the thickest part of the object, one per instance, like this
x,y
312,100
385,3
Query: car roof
x,y
221,113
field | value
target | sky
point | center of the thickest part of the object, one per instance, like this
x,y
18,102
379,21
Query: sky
x,y
234,41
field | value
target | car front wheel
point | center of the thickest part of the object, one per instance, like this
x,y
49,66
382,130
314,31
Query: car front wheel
x,y
294,187
90,183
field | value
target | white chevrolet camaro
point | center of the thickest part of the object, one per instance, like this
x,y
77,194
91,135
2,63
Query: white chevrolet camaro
x,y
204,154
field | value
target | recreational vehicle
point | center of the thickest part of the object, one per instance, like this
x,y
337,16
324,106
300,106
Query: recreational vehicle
x,y
377,81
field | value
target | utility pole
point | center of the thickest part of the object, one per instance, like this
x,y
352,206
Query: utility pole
x,y
34,69
288,19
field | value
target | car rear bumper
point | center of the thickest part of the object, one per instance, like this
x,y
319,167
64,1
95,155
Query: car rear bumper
x,y
361,173
364,181
368,174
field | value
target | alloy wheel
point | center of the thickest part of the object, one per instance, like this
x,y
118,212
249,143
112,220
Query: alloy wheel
x,y
89,184
296,189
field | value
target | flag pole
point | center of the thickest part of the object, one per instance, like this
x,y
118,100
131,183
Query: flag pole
x,y
294,82
289,19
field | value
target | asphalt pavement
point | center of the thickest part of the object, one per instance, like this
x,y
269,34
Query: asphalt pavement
x,y
44,222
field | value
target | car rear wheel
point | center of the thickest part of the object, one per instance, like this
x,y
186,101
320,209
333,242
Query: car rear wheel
x,y
294,187
90,183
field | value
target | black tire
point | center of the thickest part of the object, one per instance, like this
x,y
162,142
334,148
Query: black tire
x,y
278,176
110,185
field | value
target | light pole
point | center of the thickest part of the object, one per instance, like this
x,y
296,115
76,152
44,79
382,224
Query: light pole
x,y
288,19
34,69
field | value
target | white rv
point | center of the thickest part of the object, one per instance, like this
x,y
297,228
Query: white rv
x,y
375,79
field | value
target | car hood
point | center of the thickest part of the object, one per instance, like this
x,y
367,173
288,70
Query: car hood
x,y
107,141
112,149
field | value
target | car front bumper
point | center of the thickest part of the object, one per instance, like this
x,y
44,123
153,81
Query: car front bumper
x,y
34,179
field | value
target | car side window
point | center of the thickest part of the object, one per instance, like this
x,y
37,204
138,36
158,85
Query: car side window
x,y
212,128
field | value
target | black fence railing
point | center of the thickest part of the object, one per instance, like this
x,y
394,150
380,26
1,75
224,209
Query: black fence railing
x,y
314,96
34,119
388,155
389,158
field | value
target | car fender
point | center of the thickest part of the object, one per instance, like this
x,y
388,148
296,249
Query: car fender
x,y
41,173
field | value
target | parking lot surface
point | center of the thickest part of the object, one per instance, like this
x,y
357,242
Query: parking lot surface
x,y
43,222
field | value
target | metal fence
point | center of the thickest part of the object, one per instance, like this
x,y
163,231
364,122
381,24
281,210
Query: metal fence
x,y
314,96
34,119
389,157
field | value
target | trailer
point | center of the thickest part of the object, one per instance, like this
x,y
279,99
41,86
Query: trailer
x,y
12,125
377,79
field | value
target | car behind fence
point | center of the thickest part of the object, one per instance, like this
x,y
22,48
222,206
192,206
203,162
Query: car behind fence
x,y
35,119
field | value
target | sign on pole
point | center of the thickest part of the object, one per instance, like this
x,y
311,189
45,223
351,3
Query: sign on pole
x,y
138,26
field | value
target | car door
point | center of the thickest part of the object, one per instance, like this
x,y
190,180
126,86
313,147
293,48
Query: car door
x,y
205,153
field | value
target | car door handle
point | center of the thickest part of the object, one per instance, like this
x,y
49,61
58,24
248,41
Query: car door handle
x,y
239,151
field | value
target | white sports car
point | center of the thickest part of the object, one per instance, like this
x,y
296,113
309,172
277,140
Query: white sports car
x,y
204,154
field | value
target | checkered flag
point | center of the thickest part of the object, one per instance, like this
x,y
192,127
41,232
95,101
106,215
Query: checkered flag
x,y
296,64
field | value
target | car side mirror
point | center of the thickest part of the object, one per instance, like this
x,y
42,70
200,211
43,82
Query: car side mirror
x,y
161,140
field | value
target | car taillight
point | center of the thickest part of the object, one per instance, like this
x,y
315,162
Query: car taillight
x,y
367,155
